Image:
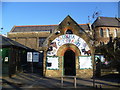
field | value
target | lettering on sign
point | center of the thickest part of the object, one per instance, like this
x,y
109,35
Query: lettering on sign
x,y
68,39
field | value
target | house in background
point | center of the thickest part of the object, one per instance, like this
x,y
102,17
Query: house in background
x,y
104,28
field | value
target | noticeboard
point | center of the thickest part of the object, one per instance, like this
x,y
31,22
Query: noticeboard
x,y
29,56
85,62
52,63
35,56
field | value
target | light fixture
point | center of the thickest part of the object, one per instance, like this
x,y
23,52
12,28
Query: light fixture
x,y
41,51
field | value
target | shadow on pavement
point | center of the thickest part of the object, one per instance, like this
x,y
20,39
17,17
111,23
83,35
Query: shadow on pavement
x,y
111,78
99,82
35,80
13,85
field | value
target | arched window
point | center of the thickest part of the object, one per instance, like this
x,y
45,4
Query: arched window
x,y
107,32
69,31
115,33
101,32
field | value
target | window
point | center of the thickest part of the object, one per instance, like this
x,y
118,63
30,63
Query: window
x,y
41,40
107,32
68,23
50,30
69,31
115,33
101,32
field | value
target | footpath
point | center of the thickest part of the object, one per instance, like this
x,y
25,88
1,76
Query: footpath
x,y
32,81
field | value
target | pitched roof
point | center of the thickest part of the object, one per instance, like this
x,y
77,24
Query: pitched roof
x,y
106,21
7,42
33,28
84,26
41,28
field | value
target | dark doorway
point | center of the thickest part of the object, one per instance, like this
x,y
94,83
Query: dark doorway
x,y
69,63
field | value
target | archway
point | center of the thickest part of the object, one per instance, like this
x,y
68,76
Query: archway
x,y
69,63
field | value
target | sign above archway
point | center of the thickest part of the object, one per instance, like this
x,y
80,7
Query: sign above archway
x,y
68,39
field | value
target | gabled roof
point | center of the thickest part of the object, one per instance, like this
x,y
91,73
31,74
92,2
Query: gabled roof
x,y
67,23
106,21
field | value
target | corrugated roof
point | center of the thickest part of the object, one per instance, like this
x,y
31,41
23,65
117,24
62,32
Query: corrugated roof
x,y
107,21
41,28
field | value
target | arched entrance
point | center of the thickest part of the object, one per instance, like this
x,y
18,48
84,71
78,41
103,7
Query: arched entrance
x,y
69,63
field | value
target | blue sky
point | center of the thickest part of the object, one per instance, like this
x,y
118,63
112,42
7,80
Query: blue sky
x,y
49,13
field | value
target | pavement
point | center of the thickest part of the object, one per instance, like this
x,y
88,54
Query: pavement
x,y
22,81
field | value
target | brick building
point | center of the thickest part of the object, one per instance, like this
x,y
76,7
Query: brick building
x,y
104,27
66,48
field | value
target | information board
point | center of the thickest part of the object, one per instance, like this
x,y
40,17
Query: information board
x,y
29,56
35,57
52,63
6,59
85,62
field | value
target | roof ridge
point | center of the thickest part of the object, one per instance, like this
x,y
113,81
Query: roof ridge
x,y
41,25
34,25
106,17
82,24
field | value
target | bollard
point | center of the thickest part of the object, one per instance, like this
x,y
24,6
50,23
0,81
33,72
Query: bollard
x,y
75,82
61,81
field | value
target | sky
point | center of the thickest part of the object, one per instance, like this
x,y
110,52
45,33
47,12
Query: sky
x,y
50,13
